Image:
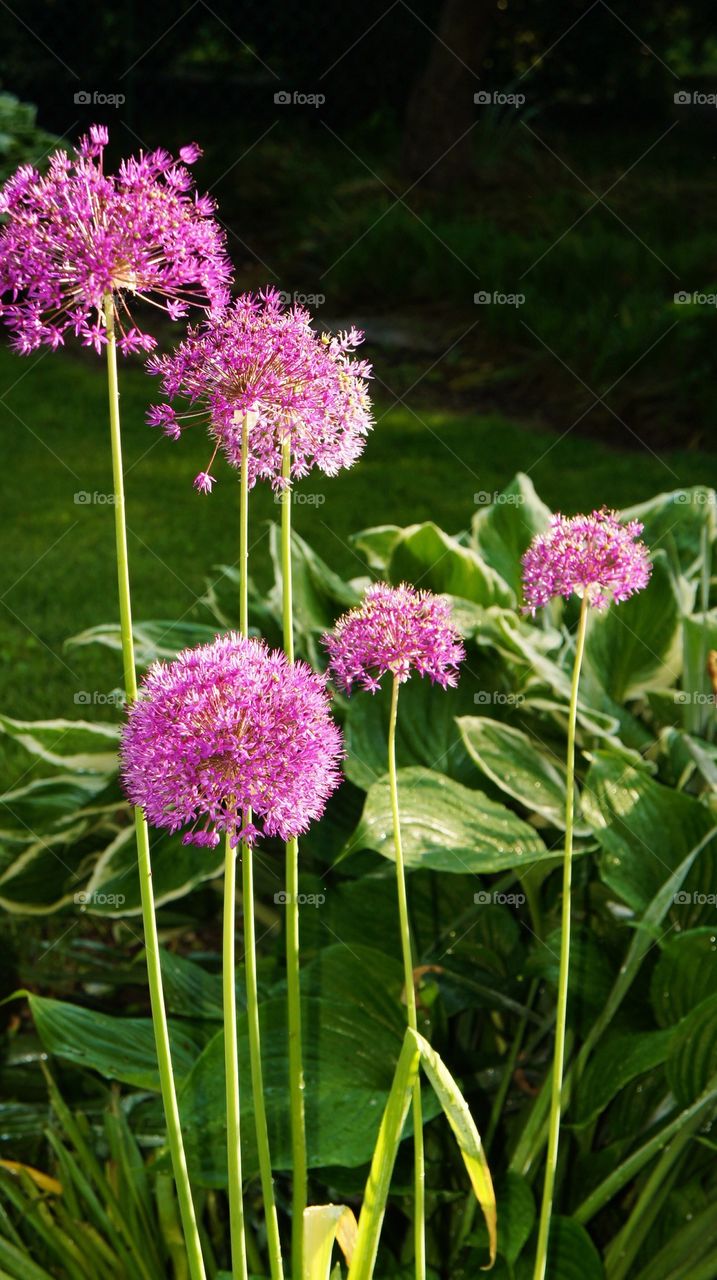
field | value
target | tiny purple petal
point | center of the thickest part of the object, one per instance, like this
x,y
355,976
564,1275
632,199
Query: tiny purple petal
x,y
204,483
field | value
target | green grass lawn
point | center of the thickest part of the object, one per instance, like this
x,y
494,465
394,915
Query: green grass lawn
x,y
57,564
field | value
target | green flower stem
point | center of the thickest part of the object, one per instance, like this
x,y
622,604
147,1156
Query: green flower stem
x,y
231,1067
252,991
154,972
419,1220
551,1160
293,985
244,529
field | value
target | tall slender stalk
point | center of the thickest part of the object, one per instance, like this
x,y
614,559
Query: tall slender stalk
x,y
293,984
252,992
154,972
231,1067
419,1219
556,1091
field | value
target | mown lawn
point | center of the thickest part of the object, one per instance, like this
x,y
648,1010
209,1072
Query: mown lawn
x,y
56,569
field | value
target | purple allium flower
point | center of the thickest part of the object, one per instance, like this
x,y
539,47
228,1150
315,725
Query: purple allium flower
x,y
77,234
591,555
263,359
395,629
228,726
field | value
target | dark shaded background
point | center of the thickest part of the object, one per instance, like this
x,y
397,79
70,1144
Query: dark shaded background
x,y
398,198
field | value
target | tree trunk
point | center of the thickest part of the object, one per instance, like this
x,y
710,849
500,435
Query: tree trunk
x,y
441,109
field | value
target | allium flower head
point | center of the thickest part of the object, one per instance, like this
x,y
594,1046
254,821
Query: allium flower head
x,y
228,726
76,234
262,359
396,629
591,555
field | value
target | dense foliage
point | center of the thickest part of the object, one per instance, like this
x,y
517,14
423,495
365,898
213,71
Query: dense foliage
x,y
482,789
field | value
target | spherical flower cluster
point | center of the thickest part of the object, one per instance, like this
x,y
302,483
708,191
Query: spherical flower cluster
x,y
594,556
262,359
76,235
225,727
396,629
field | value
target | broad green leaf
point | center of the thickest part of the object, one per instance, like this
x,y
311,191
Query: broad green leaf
x,y
696,700
325,1225
153,641
571,1253
645,830
534,1133
48,873
446,826
541,661
503,530
636,646
319,593
617,1061
685,974
591,973
516,1215
426,555
418,1052
674,522
693,1053
353,1024
692,1117
74,746
190,990
118,1048
113,887
45,803
690,1253
456,1110
515,763
426,732
376,544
